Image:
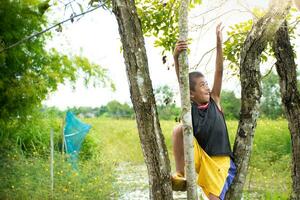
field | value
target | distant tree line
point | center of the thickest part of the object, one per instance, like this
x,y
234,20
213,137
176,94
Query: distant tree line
x,y
168,110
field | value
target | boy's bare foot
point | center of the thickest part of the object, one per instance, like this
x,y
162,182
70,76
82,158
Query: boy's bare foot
x,y
178,182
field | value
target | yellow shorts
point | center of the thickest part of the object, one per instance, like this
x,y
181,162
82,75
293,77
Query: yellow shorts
x,y
215,173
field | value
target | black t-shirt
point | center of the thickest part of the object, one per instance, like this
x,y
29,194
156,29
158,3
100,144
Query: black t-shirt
x,y
210,129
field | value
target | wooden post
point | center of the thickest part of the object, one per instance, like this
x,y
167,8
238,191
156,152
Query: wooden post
x,y
186,106
51,161
63,139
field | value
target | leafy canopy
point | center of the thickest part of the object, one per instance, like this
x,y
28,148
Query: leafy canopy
x,y
160,19
238,33
28,72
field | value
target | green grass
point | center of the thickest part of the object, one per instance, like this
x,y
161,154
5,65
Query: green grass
x,y
25,166
269,171
112,141
24,177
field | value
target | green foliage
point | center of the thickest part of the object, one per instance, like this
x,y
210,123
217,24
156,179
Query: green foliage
x,y
86,112
113,109
233,45
31,135
270,162
25,169
293,19
88,148
164,95
269,165
238,33
165,102
28,72
53,112
119,139
166,107
170,112
271,106
29,178
231,105
271,99
117,110
101,111
160,19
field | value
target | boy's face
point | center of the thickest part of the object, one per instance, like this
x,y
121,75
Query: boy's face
x,y
202,92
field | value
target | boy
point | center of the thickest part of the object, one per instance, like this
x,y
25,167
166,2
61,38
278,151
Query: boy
x,y
212,151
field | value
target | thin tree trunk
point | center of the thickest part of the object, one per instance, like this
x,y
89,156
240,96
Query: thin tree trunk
x,y
286,69
250,77
186,105
151,138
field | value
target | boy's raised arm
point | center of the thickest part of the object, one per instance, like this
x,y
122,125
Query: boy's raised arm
x,y
217,86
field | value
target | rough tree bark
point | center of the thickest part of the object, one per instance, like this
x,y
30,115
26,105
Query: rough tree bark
x,y
290,96
250,77
186,105
151,138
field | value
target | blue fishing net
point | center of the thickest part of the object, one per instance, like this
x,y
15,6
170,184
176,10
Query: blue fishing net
x,y
74,133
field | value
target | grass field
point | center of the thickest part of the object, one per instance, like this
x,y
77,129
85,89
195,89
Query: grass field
x,y
111,142
269,172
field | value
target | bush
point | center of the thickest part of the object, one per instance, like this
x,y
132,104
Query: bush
x,y
25,166
88,148
29,178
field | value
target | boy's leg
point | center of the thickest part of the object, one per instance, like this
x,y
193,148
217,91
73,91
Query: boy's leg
x,y
213,197
178,149
178,180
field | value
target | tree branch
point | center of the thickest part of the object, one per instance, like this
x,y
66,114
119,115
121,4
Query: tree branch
x,y
205,54
49,28
210,10
270,70
217,17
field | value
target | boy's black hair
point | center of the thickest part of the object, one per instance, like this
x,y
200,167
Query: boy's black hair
x,y
192,77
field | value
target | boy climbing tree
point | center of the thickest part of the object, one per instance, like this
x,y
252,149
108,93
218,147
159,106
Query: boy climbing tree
x,y
212,151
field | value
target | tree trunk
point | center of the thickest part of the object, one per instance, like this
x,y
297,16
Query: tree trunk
x,y
250,77
151,138
286,69
186,105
